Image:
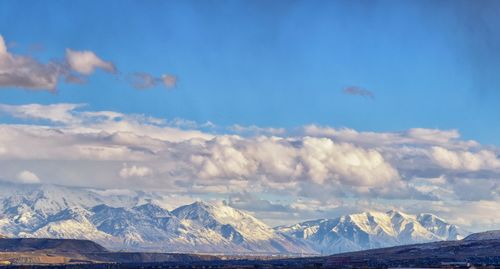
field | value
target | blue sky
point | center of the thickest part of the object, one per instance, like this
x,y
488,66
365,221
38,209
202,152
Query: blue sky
x,y
281,63
316,108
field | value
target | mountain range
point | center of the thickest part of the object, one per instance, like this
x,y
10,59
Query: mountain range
x,y
135,221
370,230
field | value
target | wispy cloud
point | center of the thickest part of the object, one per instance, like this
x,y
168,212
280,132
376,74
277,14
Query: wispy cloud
x,y
142,80
358,91
256,130
169,80
27,177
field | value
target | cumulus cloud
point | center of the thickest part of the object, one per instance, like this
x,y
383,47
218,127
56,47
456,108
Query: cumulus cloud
x,y
85,62
27,177
358,91
25,72
266,162
465,160
345,162
319,161
263,161
68,144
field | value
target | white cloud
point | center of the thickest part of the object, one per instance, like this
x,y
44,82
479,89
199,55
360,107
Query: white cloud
x,y
3,46
56,113
107,149
256,130
85,62
415,136
310,159
27,177
465,160
135,171
315,205
326,160
113,192
99,122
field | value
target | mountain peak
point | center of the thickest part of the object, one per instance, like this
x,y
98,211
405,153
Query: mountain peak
x,y
429,217
136,222
371,229
396,213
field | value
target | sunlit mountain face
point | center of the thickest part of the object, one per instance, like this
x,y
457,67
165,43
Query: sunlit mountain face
x,y
137,222
298,127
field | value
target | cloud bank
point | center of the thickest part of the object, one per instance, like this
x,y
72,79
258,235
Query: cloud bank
x,y
313,172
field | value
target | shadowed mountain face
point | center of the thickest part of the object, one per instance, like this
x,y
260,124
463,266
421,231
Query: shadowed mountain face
x,y
424,255
49,245
136,223
42,251
64,251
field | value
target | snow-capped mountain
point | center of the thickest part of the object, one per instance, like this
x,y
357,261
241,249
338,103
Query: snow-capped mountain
x,y
372,230
134,222
238,228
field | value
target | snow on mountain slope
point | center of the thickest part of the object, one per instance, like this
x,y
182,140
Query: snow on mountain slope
x,y
239,228
50,199
133,222
371,230
488,235
217,216
69,223
440,227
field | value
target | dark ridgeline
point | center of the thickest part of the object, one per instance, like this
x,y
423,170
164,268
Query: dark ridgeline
x,y
444,254
51,245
